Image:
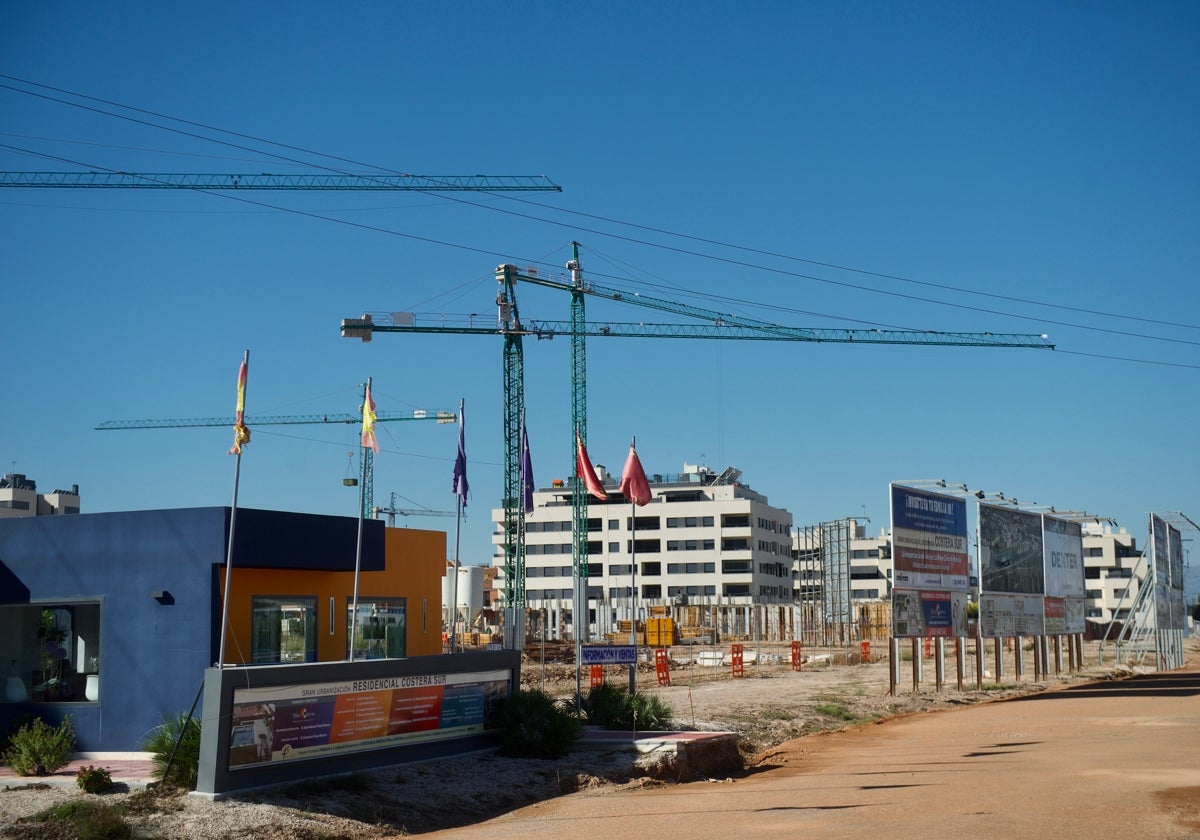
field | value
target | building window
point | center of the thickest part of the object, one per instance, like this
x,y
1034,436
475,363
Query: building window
x,y
652,569
653,590
614,548
614,524
736,520
646,546
382,627
52,650
283,629
1094,612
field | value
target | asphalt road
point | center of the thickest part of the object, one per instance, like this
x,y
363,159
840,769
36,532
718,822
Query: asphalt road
x,y
1108,760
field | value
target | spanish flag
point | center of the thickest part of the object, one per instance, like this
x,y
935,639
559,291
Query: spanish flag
x,y
368,427
241,432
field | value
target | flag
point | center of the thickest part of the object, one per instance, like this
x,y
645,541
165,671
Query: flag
x,y
241,433
527,484
368,429
585,471
633,480
460,461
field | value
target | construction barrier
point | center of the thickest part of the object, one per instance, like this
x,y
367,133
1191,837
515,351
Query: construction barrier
x,y
739,668
797,660
864,651
597,675
662,666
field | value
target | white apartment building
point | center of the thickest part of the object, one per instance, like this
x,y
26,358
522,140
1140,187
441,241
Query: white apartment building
x,y
703,539
1113,567
19,497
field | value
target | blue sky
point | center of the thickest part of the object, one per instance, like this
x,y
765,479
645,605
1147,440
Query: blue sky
x,y
1015,167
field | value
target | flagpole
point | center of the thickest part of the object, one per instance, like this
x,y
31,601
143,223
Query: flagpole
x,y
633,588
460,491
362,489
237,475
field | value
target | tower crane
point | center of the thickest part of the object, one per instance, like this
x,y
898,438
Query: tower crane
x,y
392,512
314,181
712,325
324,181
366,456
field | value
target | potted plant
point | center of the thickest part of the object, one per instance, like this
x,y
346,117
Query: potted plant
x,y
52,653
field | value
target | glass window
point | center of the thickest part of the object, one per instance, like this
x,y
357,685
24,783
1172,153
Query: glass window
x,y
381,627
283,629
50,653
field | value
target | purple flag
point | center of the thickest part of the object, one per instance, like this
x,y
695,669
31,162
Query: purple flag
x,y
460,462
526,472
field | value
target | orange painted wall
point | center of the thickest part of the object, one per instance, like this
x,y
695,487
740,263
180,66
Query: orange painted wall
x,y
414,564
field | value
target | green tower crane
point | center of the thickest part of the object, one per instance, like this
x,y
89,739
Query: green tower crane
x,y
712,325
366,459
324,181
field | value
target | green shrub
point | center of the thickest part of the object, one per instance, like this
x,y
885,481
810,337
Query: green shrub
x,y
93,779
613,707
160,742
651,713
37,749
532,725
84,819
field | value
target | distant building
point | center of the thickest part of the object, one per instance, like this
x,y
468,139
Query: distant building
x,y
704,539
19,497
1110,568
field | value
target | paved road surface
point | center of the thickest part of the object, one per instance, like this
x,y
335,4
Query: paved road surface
x,y
1106,760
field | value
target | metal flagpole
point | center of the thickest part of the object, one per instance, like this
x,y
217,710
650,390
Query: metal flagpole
x,y
238,440
633,595
460,490
362,489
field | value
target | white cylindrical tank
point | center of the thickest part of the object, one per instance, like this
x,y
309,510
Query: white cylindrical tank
x,y
470,592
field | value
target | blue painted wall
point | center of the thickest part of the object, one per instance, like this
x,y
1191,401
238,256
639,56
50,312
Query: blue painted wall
x,y
153,655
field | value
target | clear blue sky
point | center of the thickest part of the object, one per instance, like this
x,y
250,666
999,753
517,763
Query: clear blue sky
x,y
1009,167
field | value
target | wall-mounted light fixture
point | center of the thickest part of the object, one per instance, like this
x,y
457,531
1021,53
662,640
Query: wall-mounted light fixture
x,y
163,597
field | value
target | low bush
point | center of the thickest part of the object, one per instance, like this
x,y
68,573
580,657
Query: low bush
x,y
613,707
160,742
38,749
93,779
533,725
84,819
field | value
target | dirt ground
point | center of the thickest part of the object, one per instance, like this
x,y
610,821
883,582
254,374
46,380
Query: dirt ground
x,y
769,706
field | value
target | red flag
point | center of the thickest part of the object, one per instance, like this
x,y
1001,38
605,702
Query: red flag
x,y
368,424
633,480
241,433
585,471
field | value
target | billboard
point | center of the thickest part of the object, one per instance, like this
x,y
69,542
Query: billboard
x,y
297,721
923,613
1011,554
929,540
1158,545
1011,615
1063,547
